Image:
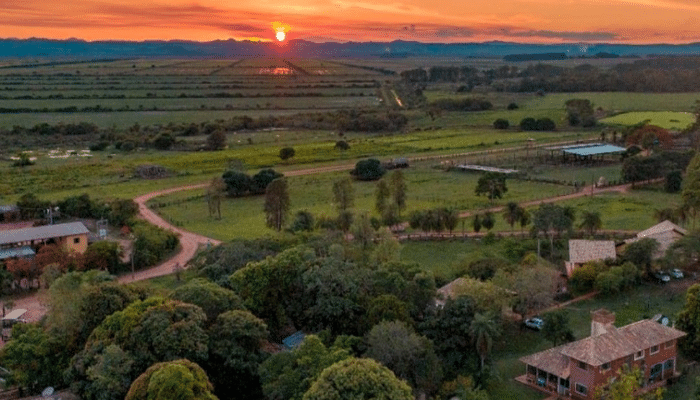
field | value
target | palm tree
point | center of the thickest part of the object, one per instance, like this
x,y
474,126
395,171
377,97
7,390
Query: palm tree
x,y
483,330
591,222
663,214
512,213
524,219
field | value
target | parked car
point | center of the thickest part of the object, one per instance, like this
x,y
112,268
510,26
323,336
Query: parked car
x,y
677,273
662,276
535,323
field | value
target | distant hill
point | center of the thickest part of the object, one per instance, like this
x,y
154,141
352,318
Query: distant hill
x,y
80,49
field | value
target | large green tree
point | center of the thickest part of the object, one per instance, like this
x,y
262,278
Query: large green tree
x,y
591,222
343,194
358,378
483,330
397,183
212,298
691,187
173,380
689,322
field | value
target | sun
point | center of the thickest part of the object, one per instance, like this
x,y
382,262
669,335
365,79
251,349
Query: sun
x,y
281,30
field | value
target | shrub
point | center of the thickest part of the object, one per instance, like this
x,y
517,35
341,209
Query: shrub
x,y
286,153
512,106
368,170
342,145
501,123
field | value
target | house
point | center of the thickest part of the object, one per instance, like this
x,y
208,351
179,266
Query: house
x,y
9,213
575,370
666,233
18,242
583,251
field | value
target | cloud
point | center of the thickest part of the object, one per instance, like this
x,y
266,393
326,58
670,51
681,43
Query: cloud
x,y
243,28
454,32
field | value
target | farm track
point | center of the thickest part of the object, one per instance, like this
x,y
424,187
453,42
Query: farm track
x,y
191,242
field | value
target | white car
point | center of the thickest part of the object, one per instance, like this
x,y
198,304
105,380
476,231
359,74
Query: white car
x,y
677,273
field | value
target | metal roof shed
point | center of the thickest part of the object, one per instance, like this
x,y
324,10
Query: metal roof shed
x,y
14,314
594,150
42,232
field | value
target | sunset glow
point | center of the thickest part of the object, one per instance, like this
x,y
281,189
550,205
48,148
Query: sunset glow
x,y
280,35
449,21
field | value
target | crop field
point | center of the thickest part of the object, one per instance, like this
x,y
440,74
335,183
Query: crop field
x,y
125,92
664,119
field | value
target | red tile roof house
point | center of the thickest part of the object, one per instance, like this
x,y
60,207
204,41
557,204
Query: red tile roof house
x,y
575,370
583,251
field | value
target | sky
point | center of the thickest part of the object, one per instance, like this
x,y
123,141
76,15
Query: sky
x,y
445,21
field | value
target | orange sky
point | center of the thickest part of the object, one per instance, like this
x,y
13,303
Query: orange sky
x,y
626,21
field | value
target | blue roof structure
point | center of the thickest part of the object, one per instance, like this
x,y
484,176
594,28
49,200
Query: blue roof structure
x,y
293,341
593,150
17,252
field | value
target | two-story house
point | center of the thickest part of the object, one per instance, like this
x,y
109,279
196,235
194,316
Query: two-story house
x,y
576,369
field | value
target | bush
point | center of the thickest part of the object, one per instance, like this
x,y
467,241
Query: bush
x,y
512,106
368,170
501,123
287,153
342,145
164,141
542,124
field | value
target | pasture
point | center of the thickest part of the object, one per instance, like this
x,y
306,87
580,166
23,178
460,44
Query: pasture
x,y
664,119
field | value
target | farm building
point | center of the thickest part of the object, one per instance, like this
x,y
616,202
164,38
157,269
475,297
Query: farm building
x,y
585,153
665,233
23,242
575,370
583,251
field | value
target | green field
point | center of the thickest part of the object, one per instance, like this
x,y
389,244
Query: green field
x,y
664,119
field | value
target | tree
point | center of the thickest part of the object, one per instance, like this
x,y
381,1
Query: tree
x,y
625,385
408,355
235,354
580,112
343,194
476,223
216,140
31,207
492,184
450,217
381,195
121,211
237,183
358,378
501,124
288,375
524,219
105,255
689,322
691,186
511,214
173,380
528,124
276,203
483,330
303,221
556,328
212,298
215,192
488,220
164,141
591,222
673,182
286,153
368,170
263,178
398,190
641,252
342,145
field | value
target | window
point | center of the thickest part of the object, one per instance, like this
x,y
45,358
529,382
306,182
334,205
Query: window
x,y
655,372
669,344
553,379
654,349
668,365
605,367
580,389
531,370
639,354
582,365
76,240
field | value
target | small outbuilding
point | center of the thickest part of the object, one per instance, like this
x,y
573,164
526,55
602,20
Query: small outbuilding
x,y
583,251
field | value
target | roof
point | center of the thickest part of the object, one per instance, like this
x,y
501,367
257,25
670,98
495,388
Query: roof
x,y
16,252
552,361
612,345
15,314
665,233
665,226
594,150
42,232
484,168
582,251
620,342
8,208
294,340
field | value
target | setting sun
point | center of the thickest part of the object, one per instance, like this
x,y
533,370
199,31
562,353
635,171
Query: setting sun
x,y
280,29
280,35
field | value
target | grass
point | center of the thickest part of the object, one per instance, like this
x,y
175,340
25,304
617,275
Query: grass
x,y
664,119
427,188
